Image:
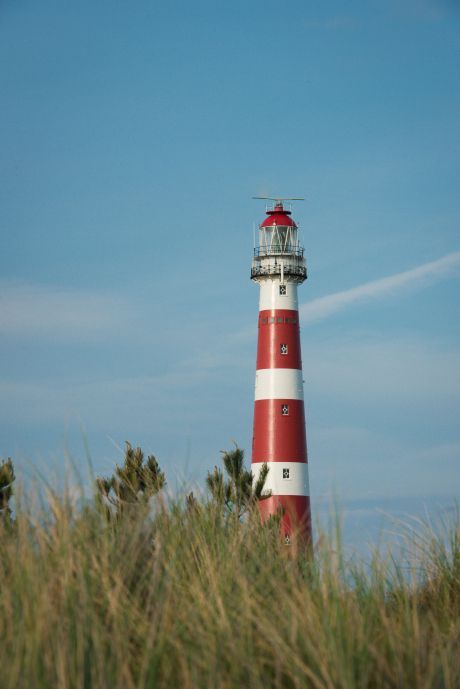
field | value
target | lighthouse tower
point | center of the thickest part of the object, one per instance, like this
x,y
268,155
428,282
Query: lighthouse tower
x,y
279,417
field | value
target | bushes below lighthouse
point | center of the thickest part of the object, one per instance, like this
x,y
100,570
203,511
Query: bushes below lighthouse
x,y
236,492
131,485
183,596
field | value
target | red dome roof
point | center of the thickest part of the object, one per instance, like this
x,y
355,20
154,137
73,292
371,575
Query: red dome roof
x,y
278,216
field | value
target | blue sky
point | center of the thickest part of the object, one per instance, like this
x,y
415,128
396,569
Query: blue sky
x,y
133,136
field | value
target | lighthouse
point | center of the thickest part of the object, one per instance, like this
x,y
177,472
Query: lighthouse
x,y
279,436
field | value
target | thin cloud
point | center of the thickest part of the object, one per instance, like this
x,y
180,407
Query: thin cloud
x,y
55,313
326,306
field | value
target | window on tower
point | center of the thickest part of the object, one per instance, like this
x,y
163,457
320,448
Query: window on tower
x,y
283,290
286,473
285,410
284,238
283,348
267,235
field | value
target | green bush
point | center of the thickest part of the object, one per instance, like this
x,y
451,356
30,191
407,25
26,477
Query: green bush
x,y
7,478
178,595
131,485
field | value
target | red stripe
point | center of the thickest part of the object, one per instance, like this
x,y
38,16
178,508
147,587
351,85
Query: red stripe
x,y
279,438
284,313
284,330
296,517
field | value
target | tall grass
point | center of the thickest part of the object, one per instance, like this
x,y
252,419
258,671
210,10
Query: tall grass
x,y
185,598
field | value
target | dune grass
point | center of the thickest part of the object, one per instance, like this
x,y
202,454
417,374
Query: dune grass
x,y
186,598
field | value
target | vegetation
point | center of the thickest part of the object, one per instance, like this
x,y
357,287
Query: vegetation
x,y
176,594
7,478
132,484
237,493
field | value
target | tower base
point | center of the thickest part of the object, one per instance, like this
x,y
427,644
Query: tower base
x,y
296,519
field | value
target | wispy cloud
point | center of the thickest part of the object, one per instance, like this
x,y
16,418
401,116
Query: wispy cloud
x,y
330,304
56,313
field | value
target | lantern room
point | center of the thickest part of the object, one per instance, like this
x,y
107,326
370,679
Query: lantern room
x,y
279,251
278,233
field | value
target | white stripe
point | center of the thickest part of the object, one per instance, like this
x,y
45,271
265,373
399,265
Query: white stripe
x,y
270,297
296,484
279,384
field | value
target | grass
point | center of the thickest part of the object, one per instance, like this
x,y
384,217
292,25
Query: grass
x,y
185,598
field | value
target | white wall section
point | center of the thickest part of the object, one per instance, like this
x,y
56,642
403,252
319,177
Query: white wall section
x,y
279,383
270,297
296,484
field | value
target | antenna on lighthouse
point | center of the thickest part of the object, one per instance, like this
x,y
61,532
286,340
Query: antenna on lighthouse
x,y
279,199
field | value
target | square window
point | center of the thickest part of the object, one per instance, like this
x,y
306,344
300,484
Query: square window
x,y
285,473
280,319
283,348
271,319
285,410
283,290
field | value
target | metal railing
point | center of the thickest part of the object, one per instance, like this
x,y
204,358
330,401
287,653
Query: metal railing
x,y
278,250
299,271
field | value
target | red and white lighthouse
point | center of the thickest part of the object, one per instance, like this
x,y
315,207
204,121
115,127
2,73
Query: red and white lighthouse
x,y
279,436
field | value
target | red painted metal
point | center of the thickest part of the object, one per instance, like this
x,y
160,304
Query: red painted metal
x,y
273,333
278,216
279,438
